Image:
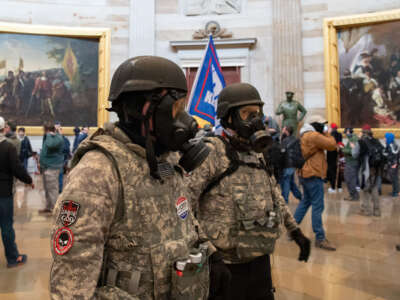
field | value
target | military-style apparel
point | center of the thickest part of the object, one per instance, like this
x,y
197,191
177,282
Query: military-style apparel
x,y
128,229
243,213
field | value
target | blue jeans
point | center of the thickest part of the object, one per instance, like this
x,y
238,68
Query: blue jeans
x,y
7,230
61,181
288,185
313,189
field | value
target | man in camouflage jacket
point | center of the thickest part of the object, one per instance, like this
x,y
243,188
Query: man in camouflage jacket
x,y
240,205
123,227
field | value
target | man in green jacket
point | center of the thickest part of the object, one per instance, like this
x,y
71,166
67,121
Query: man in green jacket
x,y
51,162
351,167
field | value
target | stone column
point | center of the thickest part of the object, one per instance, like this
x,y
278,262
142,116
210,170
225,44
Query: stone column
x,y
287,67
142,28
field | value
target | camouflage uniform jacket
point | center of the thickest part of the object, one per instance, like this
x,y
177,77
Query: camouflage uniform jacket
x,y
242,215
132,243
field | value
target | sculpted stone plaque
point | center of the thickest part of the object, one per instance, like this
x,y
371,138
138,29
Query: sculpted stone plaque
x,y
208,7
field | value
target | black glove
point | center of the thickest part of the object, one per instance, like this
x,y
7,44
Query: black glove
x,y
302,242
220,277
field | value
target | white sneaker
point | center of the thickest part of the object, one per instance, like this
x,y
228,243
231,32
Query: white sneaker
x,y
358,188
331,191
340,190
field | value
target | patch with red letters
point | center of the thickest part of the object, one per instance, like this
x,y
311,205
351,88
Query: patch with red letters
x,y
63,240
182,207
69,212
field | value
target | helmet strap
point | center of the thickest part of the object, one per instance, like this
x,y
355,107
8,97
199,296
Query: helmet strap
x,y
147,129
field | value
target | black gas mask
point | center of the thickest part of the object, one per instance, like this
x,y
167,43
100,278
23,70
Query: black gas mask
x,y
252,129
319,127
176,134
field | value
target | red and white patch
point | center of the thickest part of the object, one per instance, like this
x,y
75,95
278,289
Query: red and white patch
x,y
63,240
69,212
182,207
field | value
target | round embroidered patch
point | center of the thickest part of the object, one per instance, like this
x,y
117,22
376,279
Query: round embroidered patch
x,y
63,240
182,207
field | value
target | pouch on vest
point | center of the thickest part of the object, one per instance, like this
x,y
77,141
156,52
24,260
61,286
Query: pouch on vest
x,y
190,277
112,293
258,229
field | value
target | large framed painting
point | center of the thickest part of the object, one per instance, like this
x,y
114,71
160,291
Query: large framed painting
x,y
57,74
362,71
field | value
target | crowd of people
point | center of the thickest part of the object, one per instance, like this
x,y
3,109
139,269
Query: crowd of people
x,y
21,162
155,209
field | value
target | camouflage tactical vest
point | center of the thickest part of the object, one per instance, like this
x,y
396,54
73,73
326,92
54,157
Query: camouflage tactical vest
x,y
240,214
153,229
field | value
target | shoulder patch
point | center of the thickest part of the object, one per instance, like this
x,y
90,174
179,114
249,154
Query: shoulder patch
x,y
69,212
63,240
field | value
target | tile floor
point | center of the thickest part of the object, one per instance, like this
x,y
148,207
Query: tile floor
x,y
365,266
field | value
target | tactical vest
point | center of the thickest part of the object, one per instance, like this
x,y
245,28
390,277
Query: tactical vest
x,y
240,213
152,230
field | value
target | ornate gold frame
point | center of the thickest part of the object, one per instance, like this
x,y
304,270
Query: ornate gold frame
x,y
103,35
332,83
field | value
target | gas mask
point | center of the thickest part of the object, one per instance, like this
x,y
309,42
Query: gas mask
x,y
176,134
319,127
253,130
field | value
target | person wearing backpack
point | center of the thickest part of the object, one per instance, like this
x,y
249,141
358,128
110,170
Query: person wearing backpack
x,y
293,159
369,151
315,138
392,156
351,166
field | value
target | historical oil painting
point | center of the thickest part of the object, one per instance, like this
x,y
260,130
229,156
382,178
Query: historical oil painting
x,y
369,71
49,78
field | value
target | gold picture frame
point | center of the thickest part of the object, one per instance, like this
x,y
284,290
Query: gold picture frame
x,y
331,26
102,37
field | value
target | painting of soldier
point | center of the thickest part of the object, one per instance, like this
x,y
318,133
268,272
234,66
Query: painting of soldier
x,y
48,78
369,65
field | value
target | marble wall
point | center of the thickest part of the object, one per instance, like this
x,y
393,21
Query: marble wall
x,y
147,27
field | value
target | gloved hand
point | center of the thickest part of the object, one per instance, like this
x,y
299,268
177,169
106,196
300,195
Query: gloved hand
x,y
302,242
220,276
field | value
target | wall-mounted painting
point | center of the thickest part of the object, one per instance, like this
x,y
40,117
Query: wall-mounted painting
x,y
53,74
362,61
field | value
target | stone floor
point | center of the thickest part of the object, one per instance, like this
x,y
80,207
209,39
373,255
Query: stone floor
x,y
366,265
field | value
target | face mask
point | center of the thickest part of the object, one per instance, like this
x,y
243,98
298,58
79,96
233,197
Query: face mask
x,y
253,130
176,134
349,135
326,128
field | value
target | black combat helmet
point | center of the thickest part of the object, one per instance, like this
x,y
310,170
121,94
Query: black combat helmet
x,y
146,73
235,95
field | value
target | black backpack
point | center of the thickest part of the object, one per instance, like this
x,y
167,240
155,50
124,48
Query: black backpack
x,y
294,154
375,152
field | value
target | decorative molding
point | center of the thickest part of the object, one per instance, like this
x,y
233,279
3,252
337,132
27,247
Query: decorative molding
x,y
231,53
223,43
213,28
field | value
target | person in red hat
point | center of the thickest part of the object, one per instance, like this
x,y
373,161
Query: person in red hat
x,y
332,159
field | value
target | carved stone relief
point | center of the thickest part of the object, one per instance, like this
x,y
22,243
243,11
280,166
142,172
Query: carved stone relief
x,y
208,7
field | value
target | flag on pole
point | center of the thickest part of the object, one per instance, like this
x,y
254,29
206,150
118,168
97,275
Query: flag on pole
x,y
209,82
70,64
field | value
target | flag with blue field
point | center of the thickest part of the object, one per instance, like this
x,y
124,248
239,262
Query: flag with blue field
x,y
207,85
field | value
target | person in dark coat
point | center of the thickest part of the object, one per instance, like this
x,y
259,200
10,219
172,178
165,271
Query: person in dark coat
x,y
10,167
332,159
26,148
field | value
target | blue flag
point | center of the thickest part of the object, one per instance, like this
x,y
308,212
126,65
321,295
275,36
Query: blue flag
x,y
207,85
